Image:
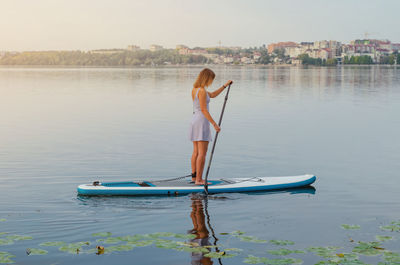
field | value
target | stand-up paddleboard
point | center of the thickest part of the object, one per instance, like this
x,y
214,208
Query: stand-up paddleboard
x,y
182,186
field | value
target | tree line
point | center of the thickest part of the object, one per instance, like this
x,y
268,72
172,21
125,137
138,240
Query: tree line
x,y
117,58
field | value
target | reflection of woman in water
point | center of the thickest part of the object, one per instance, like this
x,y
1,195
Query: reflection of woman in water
x,y
201,232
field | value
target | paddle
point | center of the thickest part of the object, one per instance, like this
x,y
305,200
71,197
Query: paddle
x,y
215,140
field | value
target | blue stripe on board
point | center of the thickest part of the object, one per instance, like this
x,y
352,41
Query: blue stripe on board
x,y
172,191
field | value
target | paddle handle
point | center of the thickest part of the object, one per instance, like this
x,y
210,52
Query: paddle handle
x,y
215,140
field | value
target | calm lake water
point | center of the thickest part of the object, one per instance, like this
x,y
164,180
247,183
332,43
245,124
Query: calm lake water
x,y
60,127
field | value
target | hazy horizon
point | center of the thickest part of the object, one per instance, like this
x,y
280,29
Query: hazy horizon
x,y
85,25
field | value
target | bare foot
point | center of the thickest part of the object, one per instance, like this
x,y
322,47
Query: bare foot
x,y
202,182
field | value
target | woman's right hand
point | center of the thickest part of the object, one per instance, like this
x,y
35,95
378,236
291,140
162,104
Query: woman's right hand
x,y
217,128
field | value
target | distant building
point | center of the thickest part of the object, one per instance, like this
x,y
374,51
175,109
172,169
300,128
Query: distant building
x,y
155,47
133,48
245,60
228,59
181,46
395,46
256,55
281,45
198,51
107,51
183,51
307,45
296,62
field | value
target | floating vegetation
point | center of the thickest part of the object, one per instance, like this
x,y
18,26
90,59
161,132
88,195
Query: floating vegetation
x,y
256,260
74,248
368,248
4,241
383,238
143,243
392,228
234,249
118,248
102,234
3,220
342,259
219,255
185,236
390,258
53,244
350,227
19,237
251,239
36,251
281,242
110,240
284,252
164,234
183,242
6,257
326,252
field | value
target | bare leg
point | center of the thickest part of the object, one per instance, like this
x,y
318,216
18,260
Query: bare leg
x,y
194,158
201,158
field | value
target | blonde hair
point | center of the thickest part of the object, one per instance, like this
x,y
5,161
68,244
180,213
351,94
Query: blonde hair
x,y
205,78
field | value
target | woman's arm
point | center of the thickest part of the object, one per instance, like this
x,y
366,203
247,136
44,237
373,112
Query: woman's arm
x,y
219,90
203,107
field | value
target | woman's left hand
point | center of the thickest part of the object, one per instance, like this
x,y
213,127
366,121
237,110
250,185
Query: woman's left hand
x,y
228,83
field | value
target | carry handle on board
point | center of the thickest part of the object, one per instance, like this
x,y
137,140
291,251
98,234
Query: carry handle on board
x,y
215,140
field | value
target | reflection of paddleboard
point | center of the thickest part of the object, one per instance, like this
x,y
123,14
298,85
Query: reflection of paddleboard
x,y
175,187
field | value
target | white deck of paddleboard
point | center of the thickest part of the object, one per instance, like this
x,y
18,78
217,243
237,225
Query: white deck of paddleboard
x,y
228,184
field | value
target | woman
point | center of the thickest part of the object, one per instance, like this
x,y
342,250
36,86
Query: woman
x,y
199,132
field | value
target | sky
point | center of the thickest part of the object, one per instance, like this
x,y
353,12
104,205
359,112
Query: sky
x,y
96,24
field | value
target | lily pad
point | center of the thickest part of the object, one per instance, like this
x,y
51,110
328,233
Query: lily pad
x,y
110,240
102,234
4,241
368,248
341,262
6,257
185,236
74,248
132,238
251,239
118,248
350,227
143,243
391,257
284,252
281,242
256,260
233,249
36,251
53,244
218,255
167,244
237,232
326,252
383,238
19,237
162,234
392,228
343,258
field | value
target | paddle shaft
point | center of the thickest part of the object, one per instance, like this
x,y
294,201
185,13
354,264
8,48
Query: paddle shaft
x,y
215,140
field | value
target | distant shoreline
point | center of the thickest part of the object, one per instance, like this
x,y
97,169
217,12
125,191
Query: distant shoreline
x,y
198,65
